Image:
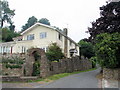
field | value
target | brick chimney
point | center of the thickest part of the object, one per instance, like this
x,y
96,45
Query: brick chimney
x,y
65,30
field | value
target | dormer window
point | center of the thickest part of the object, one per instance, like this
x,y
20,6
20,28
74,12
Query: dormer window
x,y
30,37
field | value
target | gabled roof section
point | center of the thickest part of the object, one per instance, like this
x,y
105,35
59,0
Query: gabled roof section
x,y
35,25
47,26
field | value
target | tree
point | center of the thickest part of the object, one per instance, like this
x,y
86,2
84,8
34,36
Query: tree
x,y
107,49
109,22
44,21
7,34
6,14
86,48
31,21
54,52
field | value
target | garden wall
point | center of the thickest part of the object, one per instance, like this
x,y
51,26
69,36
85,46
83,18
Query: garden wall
x,y
70,65
111,73
14,68
63,66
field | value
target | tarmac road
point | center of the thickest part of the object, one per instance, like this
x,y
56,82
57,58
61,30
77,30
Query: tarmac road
x,y
81,80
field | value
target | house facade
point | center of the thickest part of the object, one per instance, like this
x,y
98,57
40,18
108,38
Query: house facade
x,y
41,36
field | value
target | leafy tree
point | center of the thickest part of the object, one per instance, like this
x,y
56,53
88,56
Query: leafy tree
x,y
107,49
44,21
31,21
54,52
12,27
86,48
109,22
6,13
7,34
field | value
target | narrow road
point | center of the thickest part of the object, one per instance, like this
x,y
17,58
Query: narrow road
x,y
81,80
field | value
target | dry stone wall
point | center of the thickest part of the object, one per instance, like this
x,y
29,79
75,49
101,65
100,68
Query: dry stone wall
x,y
12,71
111,73
69,65
47,68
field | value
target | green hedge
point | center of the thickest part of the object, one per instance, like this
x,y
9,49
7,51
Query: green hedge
x,y
108,50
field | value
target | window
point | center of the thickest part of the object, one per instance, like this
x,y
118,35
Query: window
x,y
23,49
30,37
70,43
60,37
43,35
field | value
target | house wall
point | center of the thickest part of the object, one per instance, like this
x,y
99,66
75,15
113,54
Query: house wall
x,y
44,42
6,47
52,37
22,46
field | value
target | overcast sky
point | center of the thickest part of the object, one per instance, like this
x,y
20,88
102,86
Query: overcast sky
x,y
76,15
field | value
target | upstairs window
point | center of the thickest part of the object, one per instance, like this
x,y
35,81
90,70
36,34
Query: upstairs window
x,y
60,37
43,35
30,37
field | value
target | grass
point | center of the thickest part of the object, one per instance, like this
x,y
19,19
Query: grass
x,y
54,77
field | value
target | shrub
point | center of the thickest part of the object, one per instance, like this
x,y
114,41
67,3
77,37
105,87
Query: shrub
x,y
87,49
94,61
36,68
54,52
108,50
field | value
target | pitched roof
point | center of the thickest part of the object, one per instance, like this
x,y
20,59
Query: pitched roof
x,y
47,26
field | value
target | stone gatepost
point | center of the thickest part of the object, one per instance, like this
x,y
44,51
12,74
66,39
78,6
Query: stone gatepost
x,y
44,63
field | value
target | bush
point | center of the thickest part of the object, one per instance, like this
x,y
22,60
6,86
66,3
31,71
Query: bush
x,y
36,68
94,61
87,49
108,50
54,52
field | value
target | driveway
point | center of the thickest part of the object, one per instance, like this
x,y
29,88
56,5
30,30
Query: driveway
x,y
81,80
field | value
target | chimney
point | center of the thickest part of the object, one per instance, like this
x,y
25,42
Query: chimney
x,y
65,31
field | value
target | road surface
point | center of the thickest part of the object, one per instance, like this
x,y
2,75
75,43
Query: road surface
x,y
81,80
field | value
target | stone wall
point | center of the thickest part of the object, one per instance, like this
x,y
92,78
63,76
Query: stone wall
x,y
47,68
63,66
13,56
12,71
111,73
69,65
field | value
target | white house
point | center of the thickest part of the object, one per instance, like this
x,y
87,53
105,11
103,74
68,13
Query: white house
x,y
41,36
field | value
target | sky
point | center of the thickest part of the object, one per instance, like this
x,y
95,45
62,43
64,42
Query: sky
x,y
76,15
